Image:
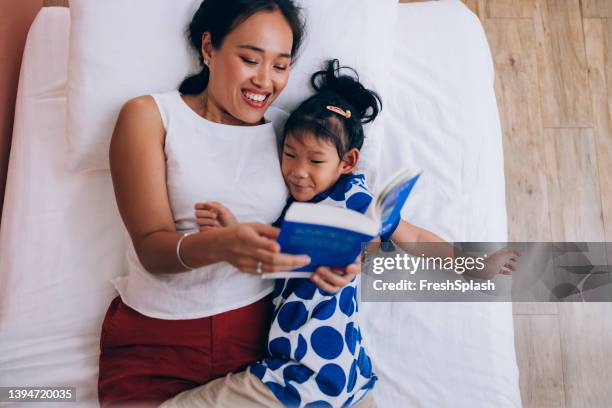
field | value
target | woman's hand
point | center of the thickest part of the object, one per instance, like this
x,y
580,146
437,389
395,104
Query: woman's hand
x,y
502,262
213,215
252,248
332,280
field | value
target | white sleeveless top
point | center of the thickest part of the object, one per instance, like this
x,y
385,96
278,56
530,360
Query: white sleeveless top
x,y
237,166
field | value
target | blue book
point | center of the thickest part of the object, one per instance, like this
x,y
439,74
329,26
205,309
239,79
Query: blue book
x,y
333,236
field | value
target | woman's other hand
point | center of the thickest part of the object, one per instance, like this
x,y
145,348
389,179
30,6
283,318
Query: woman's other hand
x,y
252,248
213,215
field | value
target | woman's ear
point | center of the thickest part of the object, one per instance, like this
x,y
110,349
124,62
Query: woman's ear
x,y
207,48
349,161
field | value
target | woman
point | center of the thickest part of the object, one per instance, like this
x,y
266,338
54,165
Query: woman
x,y
192,307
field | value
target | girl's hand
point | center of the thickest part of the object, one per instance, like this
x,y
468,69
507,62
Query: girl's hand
x,y
502,262
213,215
332,280
248,245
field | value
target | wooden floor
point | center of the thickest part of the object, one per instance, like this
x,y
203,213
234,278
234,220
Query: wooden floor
x,y
553,60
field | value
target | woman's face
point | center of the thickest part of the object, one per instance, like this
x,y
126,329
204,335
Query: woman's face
x,y
249,70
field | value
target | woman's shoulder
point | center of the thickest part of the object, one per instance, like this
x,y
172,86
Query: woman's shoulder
x,y
149,103
154,107
139,116
141,106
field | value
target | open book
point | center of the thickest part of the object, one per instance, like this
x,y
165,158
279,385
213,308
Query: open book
x,y
333,236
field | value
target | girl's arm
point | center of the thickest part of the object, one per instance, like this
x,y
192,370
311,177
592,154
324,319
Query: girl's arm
x,y
411,239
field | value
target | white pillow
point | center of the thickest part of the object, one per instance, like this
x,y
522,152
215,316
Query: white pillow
x,y
119,50
122,49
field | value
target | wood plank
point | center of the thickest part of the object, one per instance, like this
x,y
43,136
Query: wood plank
x,y
598,39
564,87
472,5
586,336
596,8
538,352
510,8
534,308
478,7
516,86
573,185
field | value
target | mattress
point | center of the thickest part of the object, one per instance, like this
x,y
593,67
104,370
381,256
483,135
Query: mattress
x,y
62,239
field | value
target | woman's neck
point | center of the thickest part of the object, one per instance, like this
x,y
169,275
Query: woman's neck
x,y
207,107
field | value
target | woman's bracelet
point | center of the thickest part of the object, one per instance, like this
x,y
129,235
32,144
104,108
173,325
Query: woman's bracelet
x,y
178,250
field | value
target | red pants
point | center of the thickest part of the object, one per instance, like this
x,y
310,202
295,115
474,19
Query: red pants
x,y
145,361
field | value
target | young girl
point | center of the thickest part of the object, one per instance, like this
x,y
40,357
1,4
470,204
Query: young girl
x,y
316,354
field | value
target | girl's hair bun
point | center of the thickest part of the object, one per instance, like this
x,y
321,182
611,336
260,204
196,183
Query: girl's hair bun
x,y
325,115
367,103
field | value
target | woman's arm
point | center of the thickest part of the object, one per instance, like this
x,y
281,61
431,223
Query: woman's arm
x,y
138,170
213,215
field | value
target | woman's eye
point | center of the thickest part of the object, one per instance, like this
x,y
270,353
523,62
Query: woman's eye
x,y
290,155
249,61
280,68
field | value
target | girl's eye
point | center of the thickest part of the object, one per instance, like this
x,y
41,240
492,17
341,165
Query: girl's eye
x,y
280,68
290,155
248,61
317,161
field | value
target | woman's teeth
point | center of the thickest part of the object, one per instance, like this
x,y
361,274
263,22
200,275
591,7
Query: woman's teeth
x,y
255,97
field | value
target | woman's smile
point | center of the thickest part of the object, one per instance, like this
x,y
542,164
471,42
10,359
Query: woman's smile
x,y
255,99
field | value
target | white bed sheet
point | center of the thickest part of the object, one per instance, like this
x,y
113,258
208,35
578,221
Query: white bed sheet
x,y
54,268
443,119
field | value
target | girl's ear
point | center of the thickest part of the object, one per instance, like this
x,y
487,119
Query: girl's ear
x,y
349,161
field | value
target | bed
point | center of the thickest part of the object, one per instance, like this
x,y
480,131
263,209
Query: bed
x,y
61,239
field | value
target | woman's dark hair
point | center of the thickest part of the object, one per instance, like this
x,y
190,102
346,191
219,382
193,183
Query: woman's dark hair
x,y
340,91
220,17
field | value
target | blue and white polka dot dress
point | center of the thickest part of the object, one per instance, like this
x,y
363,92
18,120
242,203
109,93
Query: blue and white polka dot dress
x,y
316,356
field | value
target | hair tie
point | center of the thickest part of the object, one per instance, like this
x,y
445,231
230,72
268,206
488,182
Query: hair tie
x,y
335,109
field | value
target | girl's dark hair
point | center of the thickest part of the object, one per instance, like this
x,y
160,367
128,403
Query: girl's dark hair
x,y
340,91
220,17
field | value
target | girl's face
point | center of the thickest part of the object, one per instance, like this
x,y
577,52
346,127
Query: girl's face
x,y
249,70
311,165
